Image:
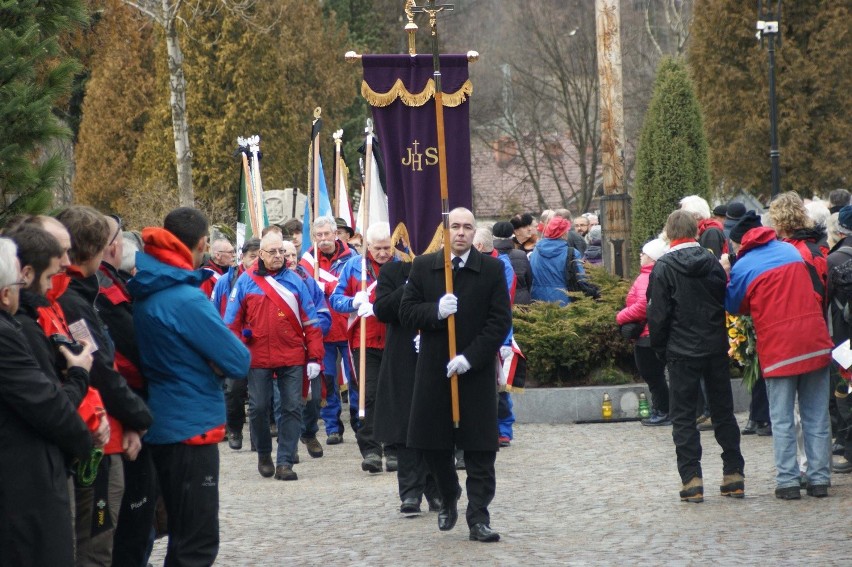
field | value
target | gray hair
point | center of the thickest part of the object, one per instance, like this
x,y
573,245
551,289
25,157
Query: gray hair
x,y
696,205
9,271
325,221
483,237
132,245
818,212
378,231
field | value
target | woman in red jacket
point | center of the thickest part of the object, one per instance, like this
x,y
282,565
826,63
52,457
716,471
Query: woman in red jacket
x,y
651,368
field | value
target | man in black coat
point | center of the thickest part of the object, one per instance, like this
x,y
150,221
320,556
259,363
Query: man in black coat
x,y
395,388
481,301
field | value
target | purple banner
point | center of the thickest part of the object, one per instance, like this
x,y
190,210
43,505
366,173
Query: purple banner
x,y
404,117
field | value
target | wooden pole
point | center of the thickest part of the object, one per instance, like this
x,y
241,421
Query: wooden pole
x,y
365,219
252,207
317,126
615,204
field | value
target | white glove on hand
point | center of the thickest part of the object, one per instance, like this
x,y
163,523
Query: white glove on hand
x,y
447,305
505,352
313,370
417,343
365,310
360,299
458,365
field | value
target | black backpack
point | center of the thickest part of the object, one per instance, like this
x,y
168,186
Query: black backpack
x,y
573,281
840,280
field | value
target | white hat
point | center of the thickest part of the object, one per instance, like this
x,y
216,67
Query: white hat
x,y
655,248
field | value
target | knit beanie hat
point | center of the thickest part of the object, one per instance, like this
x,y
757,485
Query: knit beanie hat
x,y
655,248
749,221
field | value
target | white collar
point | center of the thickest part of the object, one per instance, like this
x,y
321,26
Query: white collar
x,y
463,257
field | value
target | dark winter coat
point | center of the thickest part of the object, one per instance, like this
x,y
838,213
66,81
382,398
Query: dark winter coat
x,y
116,310
39,427
686,304
523,270
482,322
840,329
396,374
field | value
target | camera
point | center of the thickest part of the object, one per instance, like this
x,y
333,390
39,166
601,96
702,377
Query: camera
x,y
59,340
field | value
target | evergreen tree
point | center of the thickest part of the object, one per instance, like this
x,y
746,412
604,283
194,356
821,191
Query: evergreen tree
x,y
671,160
814,94
34,76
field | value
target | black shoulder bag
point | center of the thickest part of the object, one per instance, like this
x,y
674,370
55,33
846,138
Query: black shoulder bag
x,y
573,281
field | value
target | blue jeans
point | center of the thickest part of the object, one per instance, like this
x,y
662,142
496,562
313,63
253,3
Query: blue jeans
x,y
812,390
331,412
311,410
505,416
261,382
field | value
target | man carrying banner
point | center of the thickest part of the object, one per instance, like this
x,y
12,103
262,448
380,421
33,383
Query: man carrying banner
x,y
333,254
348,298
271,310
480,300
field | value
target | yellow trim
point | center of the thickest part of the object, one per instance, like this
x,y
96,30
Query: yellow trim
x,y
399,91
400,234
437,240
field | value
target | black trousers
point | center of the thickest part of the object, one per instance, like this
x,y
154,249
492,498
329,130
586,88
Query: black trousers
x,y
685,376
366,442
189,484
653,371
413,475
236,395
758,409
481,480
132,538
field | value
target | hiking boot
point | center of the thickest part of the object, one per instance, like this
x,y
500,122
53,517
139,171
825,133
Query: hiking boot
x,y
265,466
817,490
314,447
504,441
764,429
285,472
693,491
733,485
372,463
334,439
657,419
235,440
788,493
841,464
391,463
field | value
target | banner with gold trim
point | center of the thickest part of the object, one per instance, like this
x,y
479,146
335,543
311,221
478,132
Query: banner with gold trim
x,y
400,90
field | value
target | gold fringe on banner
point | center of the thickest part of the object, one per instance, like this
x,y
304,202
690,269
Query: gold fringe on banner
x,y
400,234
437,240
399,91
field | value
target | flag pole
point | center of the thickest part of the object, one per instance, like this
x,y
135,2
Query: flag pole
x,y
433,11
365,216
315,145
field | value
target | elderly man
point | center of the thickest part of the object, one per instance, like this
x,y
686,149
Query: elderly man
x,y
481,301
348,297
271,309
222,255
330,254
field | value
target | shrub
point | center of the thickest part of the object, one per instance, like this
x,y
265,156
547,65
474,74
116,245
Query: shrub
x,y
566,345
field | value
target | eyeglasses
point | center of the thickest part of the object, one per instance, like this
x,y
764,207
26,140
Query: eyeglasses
x,y
276,252
228,252
120,224
21,283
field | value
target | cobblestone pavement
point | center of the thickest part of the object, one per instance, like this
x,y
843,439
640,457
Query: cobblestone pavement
x,y
566,495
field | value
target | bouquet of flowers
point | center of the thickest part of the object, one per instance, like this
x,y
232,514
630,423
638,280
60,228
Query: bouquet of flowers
x,y
743,341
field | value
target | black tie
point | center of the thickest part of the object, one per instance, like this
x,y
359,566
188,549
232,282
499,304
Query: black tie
x,y
456,263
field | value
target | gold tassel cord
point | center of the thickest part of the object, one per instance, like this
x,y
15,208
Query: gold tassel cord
x,y
400,234
398,91
437,240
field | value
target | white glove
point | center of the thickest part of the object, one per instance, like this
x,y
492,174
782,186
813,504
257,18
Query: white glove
x,y
360,299
365,310
447,305
417,343
458,365
505,352
313,370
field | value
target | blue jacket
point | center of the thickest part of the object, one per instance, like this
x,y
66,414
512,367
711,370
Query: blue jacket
x,y
548,267
180,333
317,294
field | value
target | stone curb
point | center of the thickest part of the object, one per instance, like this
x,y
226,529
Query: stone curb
x,y
569,405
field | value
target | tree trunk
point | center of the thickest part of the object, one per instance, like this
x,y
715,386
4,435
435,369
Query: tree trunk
x,y
177,99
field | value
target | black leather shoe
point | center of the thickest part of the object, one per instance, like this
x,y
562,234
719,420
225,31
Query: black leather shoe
x,y
448,514
750,428
764,429
410,506
482,532
434,503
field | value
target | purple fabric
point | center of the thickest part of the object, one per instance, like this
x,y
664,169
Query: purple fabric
x,y
414,195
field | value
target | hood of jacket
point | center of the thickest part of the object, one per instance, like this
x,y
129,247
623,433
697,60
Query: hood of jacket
x,y
551,247
814,234
756,238
690,259
166,262
503,245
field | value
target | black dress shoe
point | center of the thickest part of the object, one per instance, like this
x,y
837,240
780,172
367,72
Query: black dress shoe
x,y
434,503
410,506
448,514
482,532
750,428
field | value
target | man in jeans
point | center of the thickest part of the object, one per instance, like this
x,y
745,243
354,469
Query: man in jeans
x,y
272,311
770,282
686,318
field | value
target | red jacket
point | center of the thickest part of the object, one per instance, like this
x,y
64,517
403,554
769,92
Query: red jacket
x,y
341,301
637,301
208,284
806,242
333,265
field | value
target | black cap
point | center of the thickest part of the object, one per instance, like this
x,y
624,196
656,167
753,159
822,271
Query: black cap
x,y
502,229
735,210
720,211
749,221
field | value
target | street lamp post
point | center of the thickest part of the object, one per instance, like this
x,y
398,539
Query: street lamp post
x,y
769,17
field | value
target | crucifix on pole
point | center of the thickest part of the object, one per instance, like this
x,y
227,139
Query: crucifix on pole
x,y
433,10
